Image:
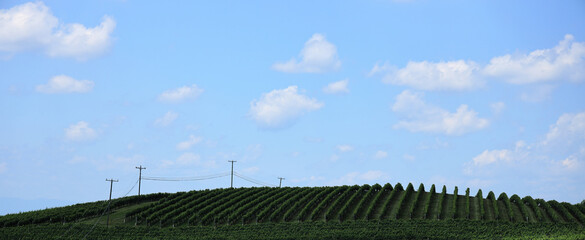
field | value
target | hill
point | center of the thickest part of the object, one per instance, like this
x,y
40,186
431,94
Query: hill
x,y
352,211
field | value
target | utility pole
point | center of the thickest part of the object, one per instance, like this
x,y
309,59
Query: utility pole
x,y
139,178
280,184
109,201
232,182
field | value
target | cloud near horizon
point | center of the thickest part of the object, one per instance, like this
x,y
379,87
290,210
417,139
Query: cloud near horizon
x,y
422,117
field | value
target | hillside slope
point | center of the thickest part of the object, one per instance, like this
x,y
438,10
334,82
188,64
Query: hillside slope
x,y
352,205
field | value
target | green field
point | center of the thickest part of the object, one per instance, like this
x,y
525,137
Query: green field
x,y
343,212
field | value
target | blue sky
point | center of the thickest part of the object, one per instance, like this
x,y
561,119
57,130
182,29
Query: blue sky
x,y
481,94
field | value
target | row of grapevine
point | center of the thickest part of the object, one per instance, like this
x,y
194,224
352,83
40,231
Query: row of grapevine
x,y
241,212
211,216
350,204
75,212
194,215
494,203
549,211
191,208
361,209
378,200
338,204
334,209
311,206
284,203
467,204
293,212
561,211
441,202
453,209
420,204
403,201
232,211
429,202
181,206
319,211
479,197
534,207
575,212
515,199
504,198
386,207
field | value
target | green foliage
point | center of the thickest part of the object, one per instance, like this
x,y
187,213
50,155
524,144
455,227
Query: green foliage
x,y
492,197
548,209
528,200
362,206
504,199
248,206
401,204
351,204
563,212
359,230
377,201
441,200
430,196
467,205
453,209
574,210
479,197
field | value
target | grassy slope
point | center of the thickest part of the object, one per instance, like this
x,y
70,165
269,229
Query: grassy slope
x,y
389,205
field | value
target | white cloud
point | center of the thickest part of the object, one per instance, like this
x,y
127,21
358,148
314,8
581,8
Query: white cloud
x,y
317,56
32,26
422,117
337,87
180,94
334,158
65,84
189,143
344,148
568,130
167,119
493,156
564,61
571,163
563,145
380,154
80,132
281,107
497,107
454,75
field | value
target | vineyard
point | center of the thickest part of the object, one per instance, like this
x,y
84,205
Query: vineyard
x,y
366,209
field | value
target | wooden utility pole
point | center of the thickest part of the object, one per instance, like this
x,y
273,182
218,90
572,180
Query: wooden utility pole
x,y
139,178
232,182
110,200
280,184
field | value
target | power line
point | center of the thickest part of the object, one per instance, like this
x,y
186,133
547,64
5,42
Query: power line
x,y
258,182
140,178
180,179
280,184
109,201
232,182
